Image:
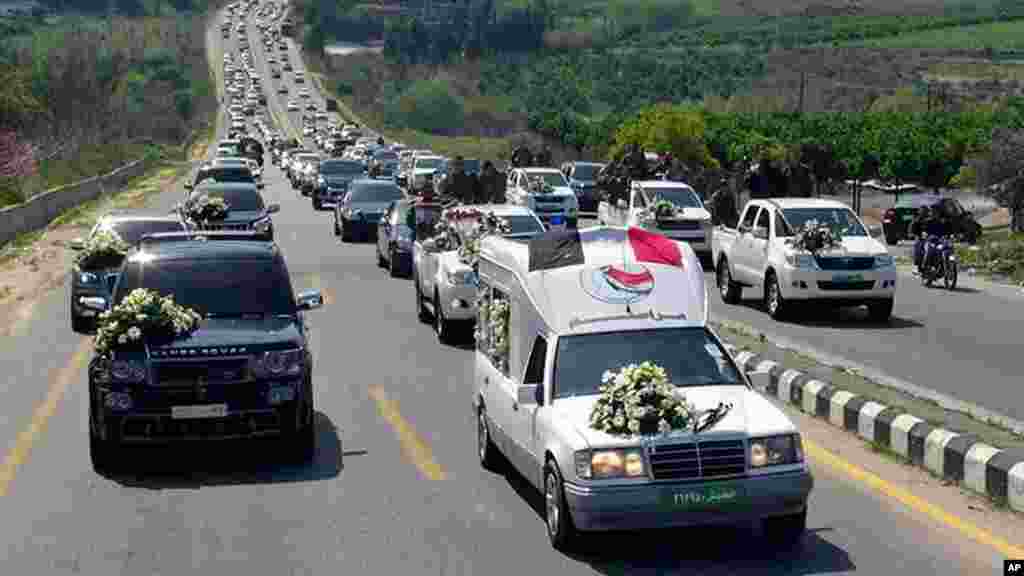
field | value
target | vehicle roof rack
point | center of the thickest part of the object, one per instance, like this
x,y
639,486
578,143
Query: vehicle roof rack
x,y
202,236
652,314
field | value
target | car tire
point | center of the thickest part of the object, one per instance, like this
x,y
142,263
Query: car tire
x,y
729,290
393,266
773,301
81,325
561,532
487,452
421,310
787,531
881,311
380,257
337,230
317,204
346,233
891,238
442,326
102,452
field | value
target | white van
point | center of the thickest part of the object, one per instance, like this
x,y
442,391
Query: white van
x,y
538,380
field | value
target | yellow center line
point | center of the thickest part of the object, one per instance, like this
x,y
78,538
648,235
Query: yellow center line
x,y
913,502
18,454
415,448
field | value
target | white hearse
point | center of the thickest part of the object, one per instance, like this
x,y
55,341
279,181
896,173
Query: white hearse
x,y
756,258
673,209
539,368
446,285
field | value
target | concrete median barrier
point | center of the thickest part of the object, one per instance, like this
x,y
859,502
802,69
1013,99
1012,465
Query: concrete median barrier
x,y
954,457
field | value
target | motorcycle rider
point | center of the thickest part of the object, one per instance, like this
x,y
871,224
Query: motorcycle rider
x,y
636,161
928,225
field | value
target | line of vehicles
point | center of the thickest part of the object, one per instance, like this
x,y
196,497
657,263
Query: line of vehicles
x,y
546,331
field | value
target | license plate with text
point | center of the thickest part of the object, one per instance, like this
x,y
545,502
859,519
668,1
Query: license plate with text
x,y
199,411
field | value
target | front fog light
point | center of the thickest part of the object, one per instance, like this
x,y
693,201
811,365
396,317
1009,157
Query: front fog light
x,y
280,394
118,401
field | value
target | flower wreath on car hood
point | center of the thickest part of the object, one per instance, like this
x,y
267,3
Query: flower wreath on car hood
x,y
105,249
471,225
208,209
143,316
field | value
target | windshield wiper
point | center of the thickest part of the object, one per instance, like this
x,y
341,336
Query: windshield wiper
x,y
712,417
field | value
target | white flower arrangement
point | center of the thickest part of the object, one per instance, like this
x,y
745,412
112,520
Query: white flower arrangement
x,y
639,399
664,210
208,209
814,237
105,249
471,225
493,319
143,315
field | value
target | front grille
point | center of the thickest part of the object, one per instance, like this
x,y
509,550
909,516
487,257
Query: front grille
x,y
243,396
111,280
846,263
187,373
691,460
214,227
862,285
164,427
679,224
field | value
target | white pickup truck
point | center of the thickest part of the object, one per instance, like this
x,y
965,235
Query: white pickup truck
x,y
757,257
672,209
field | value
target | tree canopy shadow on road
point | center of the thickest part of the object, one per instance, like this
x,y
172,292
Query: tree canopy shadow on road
x,y
707,550
196,465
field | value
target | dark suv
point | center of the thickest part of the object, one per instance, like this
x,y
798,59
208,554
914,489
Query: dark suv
x,y
332,180
246,372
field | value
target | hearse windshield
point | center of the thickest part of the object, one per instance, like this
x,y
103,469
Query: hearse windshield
x,y
691,356
252,287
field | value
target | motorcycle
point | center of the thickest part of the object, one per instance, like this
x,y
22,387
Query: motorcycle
x,y
939,262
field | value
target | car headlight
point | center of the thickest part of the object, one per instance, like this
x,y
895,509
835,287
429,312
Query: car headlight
x,y
262,225
884,261
461,277
800,260
277,363
128,371
602,464
88,278
776,451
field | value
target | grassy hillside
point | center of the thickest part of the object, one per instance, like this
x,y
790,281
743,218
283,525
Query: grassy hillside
x,y
91,93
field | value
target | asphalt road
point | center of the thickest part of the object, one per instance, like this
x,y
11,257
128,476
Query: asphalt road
x,y
393,406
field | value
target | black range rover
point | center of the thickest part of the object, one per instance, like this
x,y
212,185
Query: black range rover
x,y
246,372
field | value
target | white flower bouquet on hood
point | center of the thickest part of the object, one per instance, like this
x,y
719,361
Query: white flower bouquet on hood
x,y
105,249
639,399
143,316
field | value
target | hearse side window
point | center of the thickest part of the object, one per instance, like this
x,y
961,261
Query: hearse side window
x,y
762,220
487,342
538,357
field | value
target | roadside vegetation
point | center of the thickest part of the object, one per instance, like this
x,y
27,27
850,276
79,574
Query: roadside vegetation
x,y
84,93
999,254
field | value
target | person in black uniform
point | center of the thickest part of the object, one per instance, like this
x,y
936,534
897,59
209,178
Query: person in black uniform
x,y
521,157
461,186
544,157
492,189
927,224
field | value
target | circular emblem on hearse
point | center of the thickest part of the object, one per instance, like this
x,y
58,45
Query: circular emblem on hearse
x,y
617,284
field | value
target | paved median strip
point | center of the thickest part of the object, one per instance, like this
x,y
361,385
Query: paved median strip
x,y
415,448
957,458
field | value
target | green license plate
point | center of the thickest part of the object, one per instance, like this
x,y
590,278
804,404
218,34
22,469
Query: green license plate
x,y
847,278
704,497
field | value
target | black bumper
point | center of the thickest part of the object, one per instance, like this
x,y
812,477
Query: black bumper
x,y
150,420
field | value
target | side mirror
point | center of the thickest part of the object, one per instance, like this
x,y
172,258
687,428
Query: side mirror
x,y
95,303
77,244
260,185
188,186
761,233
309,300
527,394
273,208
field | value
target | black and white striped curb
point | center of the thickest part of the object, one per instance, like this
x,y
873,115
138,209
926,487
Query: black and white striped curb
x,y
960,458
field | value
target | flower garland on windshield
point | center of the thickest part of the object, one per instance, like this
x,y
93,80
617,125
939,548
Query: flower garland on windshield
x,y
208,209
639,399
105,249
815,237
143,315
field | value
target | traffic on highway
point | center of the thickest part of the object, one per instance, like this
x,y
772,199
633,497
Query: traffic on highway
x,y
308,358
